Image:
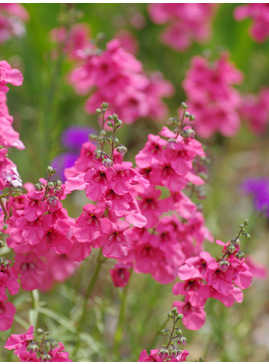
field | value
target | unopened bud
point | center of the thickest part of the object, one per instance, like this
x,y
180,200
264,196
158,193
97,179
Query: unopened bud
x,y
53,201
174,310
240,255
50,185
93,137
45,357
40,331
51,171
32,347
178,331
172,121
38,186
98,111
115,117
187,114
98,153
231,248
192,117
116,141
247,236
224,265
108,162
174,352
246,221
102,133
104,105
170,315
164,332
180,316
122,149
185,106
110,124
182,340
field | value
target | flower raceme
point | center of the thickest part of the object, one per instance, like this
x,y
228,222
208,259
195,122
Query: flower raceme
x,y
186,23
211,96
203,277
35,347
114,75
260,15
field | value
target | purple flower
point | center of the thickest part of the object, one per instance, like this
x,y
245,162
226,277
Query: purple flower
x,y
259,189
74,136
72,139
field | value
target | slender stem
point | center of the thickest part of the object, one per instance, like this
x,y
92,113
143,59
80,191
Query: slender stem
x,y
119,328
86,297
3,207
34,311
157,335
172,332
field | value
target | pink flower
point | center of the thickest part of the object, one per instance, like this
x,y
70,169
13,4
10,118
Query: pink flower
x,y
30,269
260,15
17,341
156,356
12,17
117,77
255,110
120,275
194,316
7,312
187,22
211,97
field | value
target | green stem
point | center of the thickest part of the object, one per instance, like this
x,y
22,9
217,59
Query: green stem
x,y
33,314
86,297
119,328
157,335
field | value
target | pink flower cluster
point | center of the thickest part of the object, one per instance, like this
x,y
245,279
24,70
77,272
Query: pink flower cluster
x,y
187,23
163,244
156,356
255,109
8,136
8,280
203,276
12,17
112,188
115,76
211,96
40,234
259,12
26,348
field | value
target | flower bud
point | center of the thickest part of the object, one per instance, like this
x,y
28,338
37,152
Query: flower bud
x,y
32,347
187,114
122,149
102,132
110,124
98,111
172,121
164,332
182,340
40,331
178,331
192,117
45,357
224,265
104,105
180,316
240,255
170,315
116,141
246,221
93,137
51,171
53,201
174,352
247,236
184,106
38,186
50,185
115,117
231,248
108,162
174,310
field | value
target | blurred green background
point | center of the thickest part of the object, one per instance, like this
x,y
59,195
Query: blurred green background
x,y
46,104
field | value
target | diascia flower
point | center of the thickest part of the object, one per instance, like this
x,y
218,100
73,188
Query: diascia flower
x,y
259,13
186,23
211,95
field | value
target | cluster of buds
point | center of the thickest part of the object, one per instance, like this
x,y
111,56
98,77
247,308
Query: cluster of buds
x,y
111,122
233,248
175,336
179,130
169,352
37,347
